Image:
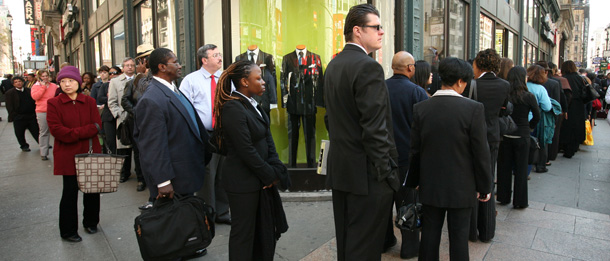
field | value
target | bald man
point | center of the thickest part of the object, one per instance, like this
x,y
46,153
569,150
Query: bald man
x,y
403,95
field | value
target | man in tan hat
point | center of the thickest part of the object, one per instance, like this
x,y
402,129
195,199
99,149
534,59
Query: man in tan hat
x,y
133,91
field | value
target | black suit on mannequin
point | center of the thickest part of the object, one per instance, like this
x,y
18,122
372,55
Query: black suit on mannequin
x,y
269,76
302,84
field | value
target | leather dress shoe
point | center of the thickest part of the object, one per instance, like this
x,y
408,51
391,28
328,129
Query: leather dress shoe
x,y
541,170
141,186
224,220
73,238
91,230
123,179
26,149
199,253
520,207
44,158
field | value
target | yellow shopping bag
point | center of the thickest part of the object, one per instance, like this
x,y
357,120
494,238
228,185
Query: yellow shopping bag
x,y
589,131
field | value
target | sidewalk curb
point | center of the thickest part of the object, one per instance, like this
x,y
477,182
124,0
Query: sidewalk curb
x,y
306,196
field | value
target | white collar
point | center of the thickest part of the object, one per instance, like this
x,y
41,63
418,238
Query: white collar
x,y
447,93
485,73
21,90
361,47
171,86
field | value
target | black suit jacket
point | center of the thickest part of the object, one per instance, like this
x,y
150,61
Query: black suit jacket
x,y
302,85
449,144
269,76
251,160
170,146
493,92
553,88
102,98
360,123
13,104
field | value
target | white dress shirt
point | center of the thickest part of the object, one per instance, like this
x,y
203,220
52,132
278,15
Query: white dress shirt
x,y
360,47
447,93
304,52
252,101
197,87
255,51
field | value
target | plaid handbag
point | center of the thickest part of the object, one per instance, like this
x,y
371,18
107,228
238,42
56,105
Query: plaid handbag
x,y
97,172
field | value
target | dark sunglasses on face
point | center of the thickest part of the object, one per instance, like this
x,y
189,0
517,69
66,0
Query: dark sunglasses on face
x,y
113,73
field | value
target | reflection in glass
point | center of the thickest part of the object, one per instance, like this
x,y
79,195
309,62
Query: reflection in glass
x,y
106,48
511,46
457,26
165,23
486,36
212,15
96,49
500,42
119,40
385,54
434,31
145,23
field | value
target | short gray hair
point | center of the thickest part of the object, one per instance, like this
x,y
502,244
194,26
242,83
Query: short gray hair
x,y
203,51
127,59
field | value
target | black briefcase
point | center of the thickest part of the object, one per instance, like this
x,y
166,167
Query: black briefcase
x,y
175,228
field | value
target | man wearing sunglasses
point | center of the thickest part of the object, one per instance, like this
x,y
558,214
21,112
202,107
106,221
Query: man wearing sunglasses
x,y
362,160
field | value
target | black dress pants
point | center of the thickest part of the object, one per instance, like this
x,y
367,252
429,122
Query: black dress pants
x,y
361,221
21,126
410,239
512,159
309,130
68,210
483,218
458,220
244,207
554,147
542,156
110,135
126,169
136,153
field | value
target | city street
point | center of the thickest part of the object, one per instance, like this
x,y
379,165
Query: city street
x,y
568,217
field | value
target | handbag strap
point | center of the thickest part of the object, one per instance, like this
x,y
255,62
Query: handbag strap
x,y
97,126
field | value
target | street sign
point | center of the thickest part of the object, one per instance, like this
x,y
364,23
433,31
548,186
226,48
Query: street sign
x,y
603,65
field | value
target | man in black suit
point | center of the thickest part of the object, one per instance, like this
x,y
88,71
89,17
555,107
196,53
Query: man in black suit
x,y
450,160
403,95
362,169
492,91
21,111
166,127
266,62
302,83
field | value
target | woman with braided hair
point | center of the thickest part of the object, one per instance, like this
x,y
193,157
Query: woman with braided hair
x,y
252,168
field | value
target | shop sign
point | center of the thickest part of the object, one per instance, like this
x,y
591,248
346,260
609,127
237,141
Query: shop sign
x,y
437,29
38,10
603,65
28,7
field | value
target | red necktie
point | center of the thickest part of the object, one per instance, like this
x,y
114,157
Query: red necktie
x,y
213,96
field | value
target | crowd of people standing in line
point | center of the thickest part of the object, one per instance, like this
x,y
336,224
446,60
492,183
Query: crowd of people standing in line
x,y
443,144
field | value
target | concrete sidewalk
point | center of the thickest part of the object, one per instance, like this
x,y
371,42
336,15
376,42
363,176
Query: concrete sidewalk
x,y
567,218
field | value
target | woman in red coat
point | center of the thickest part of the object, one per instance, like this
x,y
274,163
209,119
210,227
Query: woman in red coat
x,y
73,120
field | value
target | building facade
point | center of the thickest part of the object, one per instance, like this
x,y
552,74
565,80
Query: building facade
x,y
91,33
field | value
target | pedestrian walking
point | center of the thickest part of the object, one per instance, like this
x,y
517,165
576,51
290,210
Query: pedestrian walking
x,y
21,111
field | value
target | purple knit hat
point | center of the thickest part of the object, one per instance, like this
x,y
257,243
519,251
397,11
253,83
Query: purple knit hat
x,y
70,72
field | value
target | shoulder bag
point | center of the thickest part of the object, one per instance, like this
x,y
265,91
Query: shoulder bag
x,y
588,93
97,172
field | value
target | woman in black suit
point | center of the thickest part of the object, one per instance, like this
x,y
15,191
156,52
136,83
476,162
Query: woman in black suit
x,y
252,166
573,126
514,148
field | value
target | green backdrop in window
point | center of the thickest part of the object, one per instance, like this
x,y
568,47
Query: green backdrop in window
x,y
277,27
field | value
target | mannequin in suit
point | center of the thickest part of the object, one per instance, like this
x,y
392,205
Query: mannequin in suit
x,y
450,161
302,84
266,62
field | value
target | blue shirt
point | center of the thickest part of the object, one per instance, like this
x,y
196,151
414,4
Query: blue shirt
x,y
544,102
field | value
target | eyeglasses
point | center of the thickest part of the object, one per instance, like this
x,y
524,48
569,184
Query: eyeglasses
x,y
113,73
216,55
377,27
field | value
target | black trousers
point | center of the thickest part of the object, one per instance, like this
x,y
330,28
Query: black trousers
x,y
136,153
68,210
542,156
483,218
410,239
309,130
110,135
21,126
512,159
458,220
126,169
554,147
361,221
244,207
